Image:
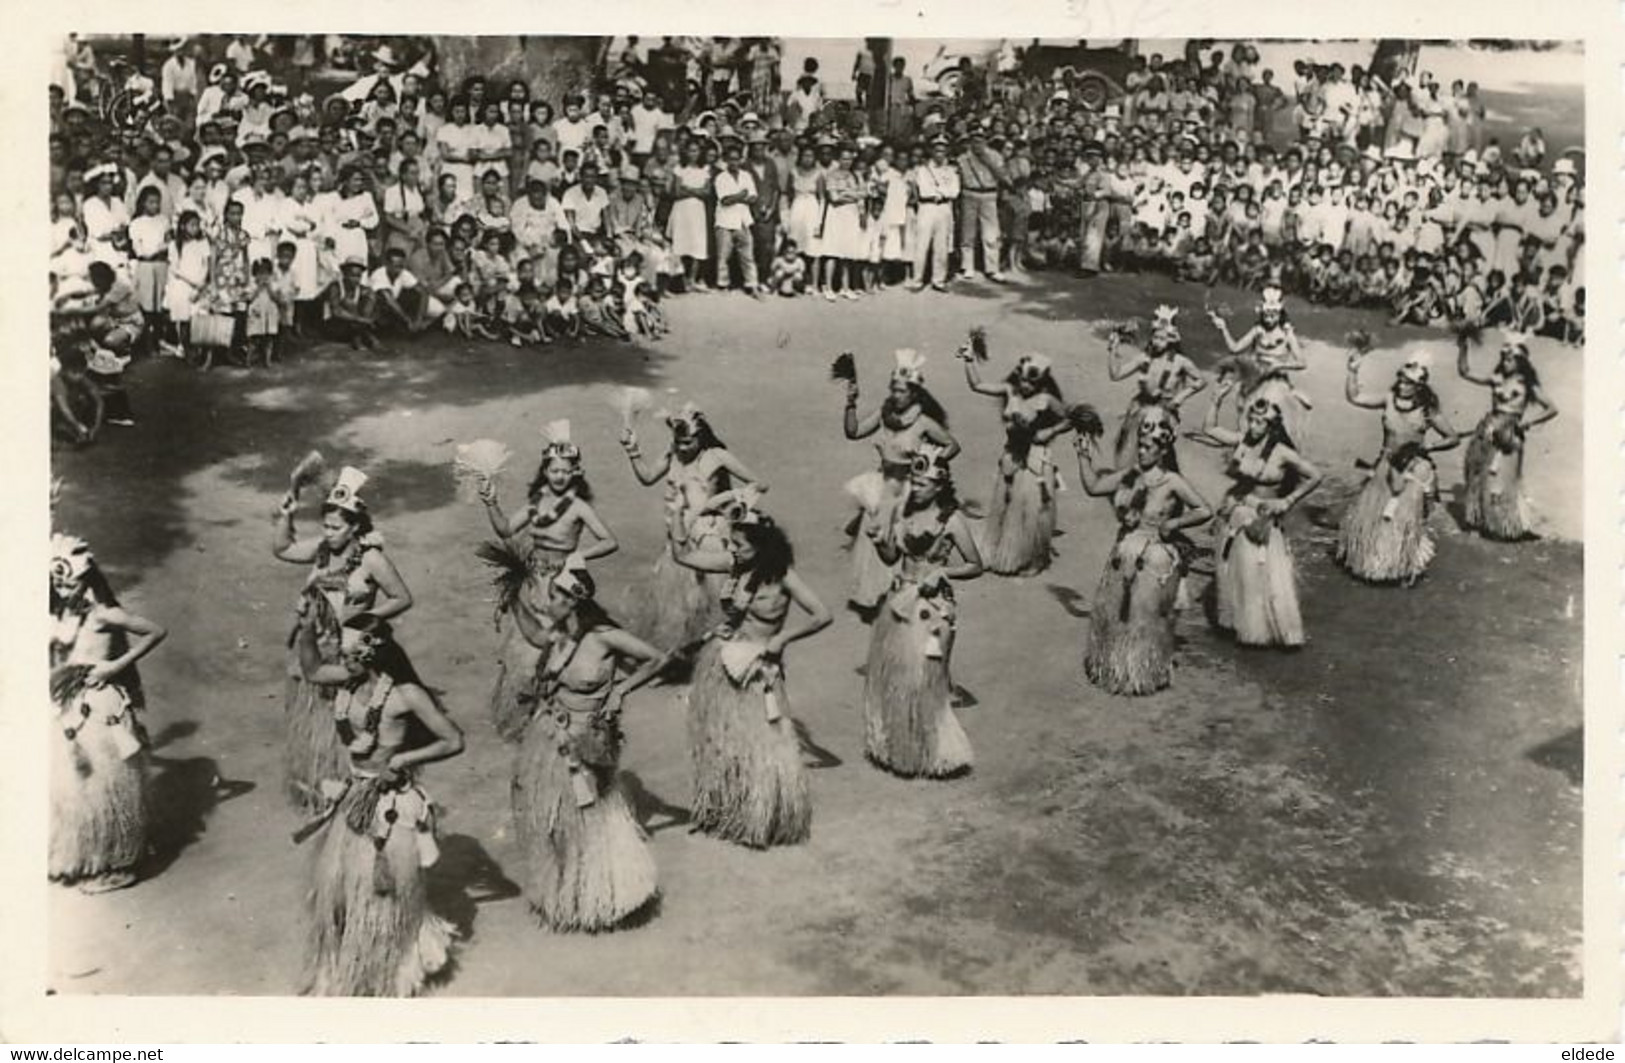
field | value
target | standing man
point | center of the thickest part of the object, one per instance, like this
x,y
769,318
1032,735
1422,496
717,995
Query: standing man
x,y
178,81
936,186
1094,211
647,122
735,191
769,188
981,175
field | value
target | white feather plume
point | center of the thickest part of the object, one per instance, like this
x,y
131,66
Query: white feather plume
x,y
483,459
630,403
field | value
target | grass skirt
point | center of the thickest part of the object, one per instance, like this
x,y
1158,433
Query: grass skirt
x,y
909,726
677,605
312,751
1384,537
513,695
1494,502
878,496
1131,624
1020,525
587,867
100,803
1128,435
1257,586
750,785
370,930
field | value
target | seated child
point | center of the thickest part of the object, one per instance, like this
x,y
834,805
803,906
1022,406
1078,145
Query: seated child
x,y
560,313
788,275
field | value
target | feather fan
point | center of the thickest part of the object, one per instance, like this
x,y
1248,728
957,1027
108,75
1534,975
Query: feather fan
x,y
480,460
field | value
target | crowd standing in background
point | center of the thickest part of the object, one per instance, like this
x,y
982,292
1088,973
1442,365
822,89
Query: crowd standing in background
x,y
263,191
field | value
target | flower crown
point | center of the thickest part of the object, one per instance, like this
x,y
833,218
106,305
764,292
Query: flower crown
x,y
71,558
1033,366
930,460
346,493
573,580
557,444
910,366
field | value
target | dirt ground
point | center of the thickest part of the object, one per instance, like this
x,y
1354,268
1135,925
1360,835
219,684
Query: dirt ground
x,y
1395,809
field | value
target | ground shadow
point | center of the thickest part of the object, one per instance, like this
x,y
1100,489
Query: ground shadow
x,y
264,421
647,806
185,793
1075,604
821,757
464,878
1565,753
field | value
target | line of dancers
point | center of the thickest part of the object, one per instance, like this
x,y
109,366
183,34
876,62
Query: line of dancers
x,y
723,603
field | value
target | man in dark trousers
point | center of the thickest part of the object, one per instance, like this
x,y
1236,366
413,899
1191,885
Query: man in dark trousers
x,y
769,193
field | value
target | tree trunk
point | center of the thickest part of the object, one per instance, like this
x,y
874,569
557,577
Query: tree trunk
x,y
1394,57
551,66
880,48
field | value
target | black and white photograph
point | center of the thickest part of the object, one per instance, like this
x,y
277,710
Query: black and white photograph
x,y
648,516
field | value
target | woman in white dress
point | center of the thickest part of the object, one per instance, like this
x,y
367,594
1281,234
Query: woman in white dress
x,y
454,142
188,273
686,228
841,239
301,222
354,216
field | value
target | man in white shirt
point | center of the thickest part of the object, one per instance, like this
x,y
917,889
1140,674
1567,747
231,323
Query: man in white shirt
x,y
240,54
936,183
573,130
647,122
178,81
400,300
535,217
735,191
584,203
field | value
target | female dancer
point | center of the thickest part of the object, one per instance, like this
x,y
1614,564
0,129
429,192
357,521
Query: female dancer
x,y
99,798
909,725
1257,592
750,785
349,576
558,510
588,864
1131,625
1384,536
370,930
1262,358
1164,376
1020,523
1496,505
679,605
909,418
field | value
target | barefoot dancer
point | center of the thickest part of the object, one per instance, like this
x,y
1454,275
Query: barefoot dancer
x,y
1257,591
349,575
1131,624
750,784
677,605
909,417
1496,505
1020,527
909,724
100,804
1163,375
558,510
1384,536
588,865
1262,358
370,930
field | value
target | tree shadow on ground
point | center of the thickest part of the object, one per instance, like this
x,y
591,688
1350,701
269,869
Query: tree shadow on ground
x,y
259,423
